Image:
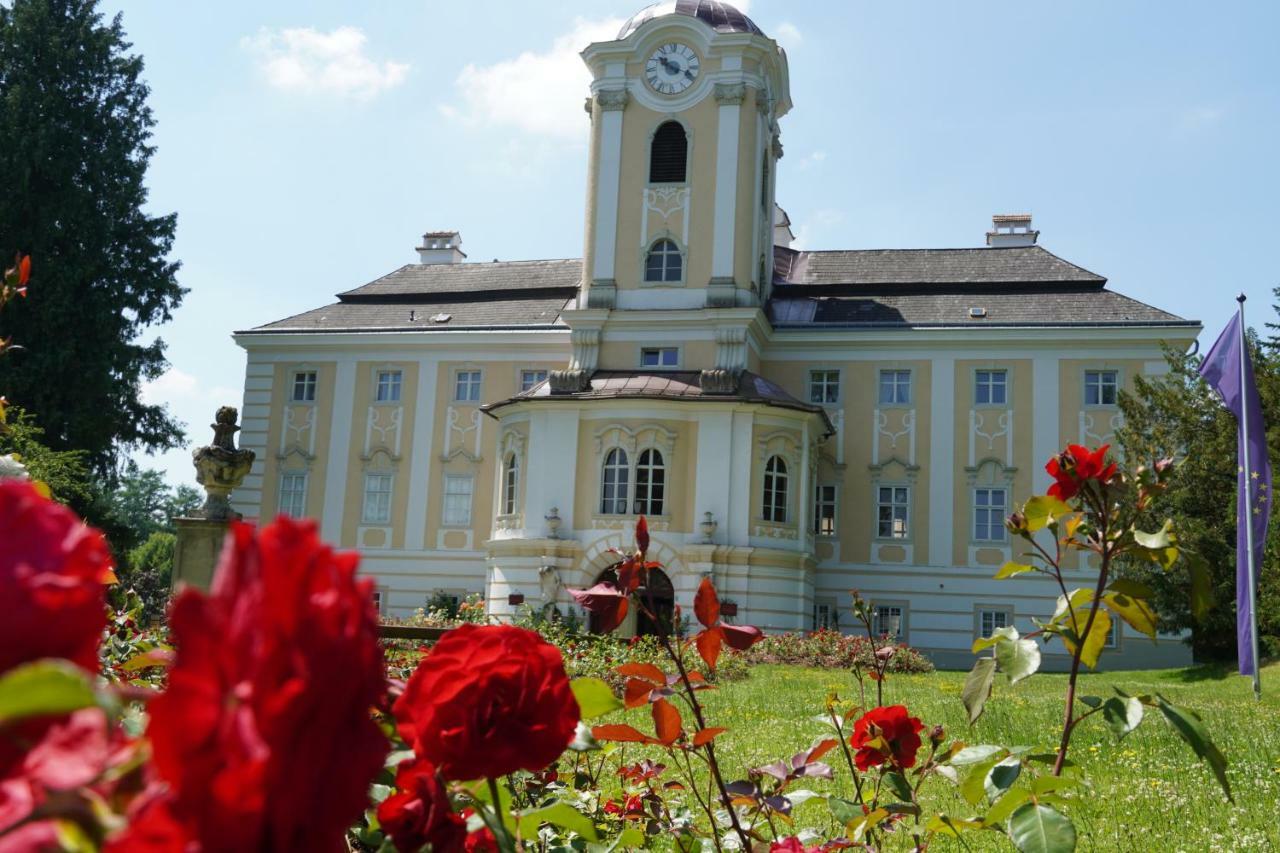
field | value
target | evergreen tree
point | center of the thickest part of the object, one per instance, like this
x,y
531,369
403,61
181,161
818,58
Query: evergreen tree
x,y
74,148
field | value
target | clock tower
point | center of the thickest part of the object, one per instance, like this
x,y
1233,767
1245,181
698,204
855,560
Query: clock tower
x,y
684,112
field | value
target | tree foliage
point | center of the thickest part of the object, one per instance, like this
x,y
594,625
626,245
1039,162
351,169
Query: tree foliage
x,y
149,571
75,134
64,471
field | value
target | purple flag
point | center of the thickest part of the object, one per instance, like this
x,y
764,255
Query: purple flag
x,y
1233,378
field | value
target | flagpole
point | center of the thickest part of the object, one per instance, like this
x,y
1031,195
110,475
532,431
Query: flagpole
x,y
1248,504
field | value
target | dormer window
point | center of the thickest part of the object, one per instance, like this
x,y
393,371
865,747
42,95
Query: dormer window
x,y
669,154
664,262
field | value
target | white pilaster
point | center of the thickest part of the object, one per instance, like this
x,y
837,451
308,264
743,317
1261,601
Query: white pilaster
x,y
552,456
609,172
942,439
424,417
714,471
1044,418
335,478
804,500
730,97
737,526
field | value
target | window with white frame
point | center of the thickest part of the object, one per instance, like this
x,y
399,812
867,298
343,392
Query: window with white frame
x,y
377,498
893,512
895,387
990,387
304,386
824,510
615,479
989,509
660,357
1101,387
990,621
378,601
887,619
530,378
293,494
651,478
1113,635
466,386
824,386
510,483
664,263
825,615
775,490
388,389
458,491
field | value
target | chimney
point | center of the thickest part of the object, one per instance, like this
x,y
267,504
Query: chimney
x,y
1011,229
441,247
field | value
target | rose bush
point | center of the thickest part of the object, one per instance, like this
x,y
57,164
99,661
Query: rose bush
x,y
419,812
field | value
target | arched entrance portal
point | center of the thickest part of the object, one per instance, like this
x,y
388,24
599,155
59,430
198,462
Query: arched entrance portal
x,y
656,592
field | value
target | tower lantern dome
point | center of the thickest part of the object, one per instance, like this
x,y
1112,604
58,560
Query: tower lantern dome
x,y
721,17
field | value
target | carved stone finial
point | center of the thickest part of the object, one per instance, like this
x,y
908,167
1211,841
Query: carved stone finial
x,y
220,468
613,99
731,93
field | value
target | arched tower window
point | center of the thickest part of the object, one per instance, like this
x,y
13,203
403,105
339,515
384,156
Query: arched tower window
x,y
668,154
651,477
775,490
664,262
613,483
510,482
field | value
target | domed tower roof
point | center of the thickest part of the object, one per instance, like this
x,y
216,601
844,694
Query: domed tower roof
x,y
721,17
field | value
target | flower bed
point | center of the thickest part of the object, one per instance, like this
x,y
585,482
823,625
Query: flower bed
x,y
827,649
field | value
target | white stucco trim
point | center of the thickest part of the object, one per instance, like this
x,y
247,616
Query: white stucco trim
x,y
335,477
609,164
726,190
1044,418
942,439
415,531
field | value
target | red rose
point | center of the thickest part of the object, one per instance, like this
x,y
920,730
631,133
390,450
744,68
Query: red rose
x,y
481,841
789,845
264,734
488,700
1075,466
886,734
419,813
53,571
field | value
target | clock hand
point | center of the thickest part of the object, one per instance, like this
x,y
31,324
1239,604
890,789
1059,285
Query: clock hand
x,y
688,73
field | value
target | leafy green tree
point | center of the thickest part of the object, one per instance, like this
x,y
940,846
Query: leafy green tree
x,y
148,571
75,134
63,471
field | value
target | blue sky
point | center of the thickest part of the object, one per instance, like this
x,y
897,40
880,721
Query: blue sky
x,y
306,146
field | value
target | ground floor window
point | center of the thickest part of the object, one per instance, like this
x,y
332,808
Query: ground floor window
x,y
826,616
990,621
888,619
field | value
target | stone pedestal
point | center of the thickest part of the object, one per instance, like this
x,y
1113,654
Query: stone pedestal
x,y
196,552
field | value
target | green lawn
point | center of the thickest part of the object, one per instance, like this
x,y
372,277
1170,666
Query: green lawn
x,y
1150,791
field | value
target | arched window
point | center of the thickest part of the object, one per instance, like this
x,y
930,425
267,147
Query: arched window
x,y
510,482
664,262
775,490
613,483
668,154
651,479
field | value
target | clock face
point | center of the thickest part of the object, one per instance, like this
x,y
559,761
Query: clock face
x,y
672,69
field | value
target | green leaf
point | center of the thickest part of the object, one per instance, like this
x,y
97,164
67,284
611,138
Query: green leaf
x,y
1191,728
946,825
974,754
1122,714
559,814
1161,539
1091,701
1076,598
898,785
1095,641
1012,569
844,811
1131,588
1135,611
1037,828
977,687
1043,510
595,698
629,838
1017,658
1044,784
1005,806
1002,776
974,786
1201,585
42,688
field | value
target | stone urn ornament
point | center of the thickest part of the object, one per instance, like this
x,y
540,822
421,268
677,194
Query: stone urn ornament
x,y
220,468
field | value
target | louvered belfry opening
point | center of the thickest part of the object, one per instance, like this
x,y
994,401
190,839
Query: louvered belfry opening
x,y
669,154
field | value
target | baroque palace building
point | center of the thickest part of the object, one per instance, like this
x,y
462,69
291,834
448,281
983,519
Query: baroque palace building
x,y
794,424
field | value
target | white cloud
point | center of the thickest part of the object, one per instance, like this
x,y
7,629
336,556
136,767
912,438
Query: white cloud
x,y
817,224
182,391
536,93
788,35
813,158
306,61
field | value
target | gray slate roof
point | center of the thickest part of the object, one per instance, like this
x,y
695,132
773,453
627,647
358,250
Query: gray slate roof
x,y
1022,264
515,313
469,278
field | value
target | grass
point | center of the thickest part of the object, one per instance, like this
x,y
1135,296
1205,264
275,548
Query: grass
x,y
1148,791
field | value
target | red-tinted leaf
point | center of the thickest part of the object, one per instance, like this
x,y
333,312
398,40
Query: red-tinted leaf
x,y
741,637
666,721
707,735
696,678
706,605
709,646
629,575
621,733
647,671
606,601
642,534
673,786
640,692
874,676
820,749
24,270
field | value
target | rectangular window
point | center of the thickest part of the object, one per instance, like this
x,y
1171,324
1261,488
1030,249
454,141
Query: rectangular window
x,y
989,509
824,386
377,499
887,619
530,378
457,501
304,386
1101,387
895,387
824,510
659,357
378,600
293,495
990,621
466,387
825,616
388,387
991,387
893,515
1112,634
